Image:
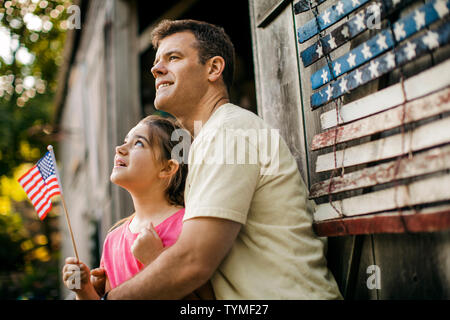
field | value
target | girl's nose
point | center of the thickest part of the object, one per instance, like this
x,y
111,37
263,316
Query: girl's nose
x,y
121,149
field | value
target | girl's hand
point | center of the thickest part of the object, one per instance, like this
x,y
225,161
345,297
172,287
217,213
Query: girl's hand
x,y
98,279
147,245
76,278
75,275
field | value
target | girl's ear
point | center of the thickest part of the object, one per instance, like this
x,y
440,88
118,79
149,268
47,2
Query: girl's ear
x,y
169,169
216,66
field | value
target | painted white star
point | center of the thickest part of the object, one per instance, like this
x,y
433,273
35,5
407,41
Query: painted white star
x,y
324,76
359,22
340,8
431,40
337,69
329,92
344,32
343,85
355,3
399,31
366,51
410,50
351,60
374,9
441,8
374,69
358,77
419,19
319,50
326,17
381,41
332,42
390,60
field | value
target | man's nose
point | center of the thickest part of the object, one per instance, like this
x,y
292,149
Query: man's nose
x,y
158,69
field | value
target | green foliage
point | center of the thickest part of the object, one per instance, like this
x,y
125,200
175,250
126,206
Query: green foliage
x,y
33,34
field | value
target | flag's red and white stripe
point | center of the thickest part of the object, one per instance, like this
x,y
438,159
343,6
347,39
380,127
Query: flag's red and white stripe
x,y
40,191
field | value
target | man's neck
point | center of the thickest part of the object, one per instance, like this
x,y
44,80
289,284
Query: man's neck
x,y
202,113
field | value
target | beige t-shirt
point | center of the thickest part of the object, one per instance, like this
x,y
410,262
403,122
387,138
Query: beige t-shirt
x,y
276,254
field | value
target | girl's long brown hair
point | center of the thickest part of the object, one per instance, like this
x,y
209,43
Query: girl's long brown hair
x,y
160,133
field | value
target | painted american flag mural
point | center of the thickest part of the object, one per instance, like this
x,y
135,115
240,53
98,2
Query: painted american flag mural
x,y
373,183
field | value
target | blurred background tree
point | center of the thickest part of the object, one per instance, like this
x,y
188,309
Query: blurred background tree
x,y
32,35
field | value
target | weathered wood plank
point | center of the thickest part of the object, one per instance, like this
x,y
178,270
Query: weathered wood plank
x,y
420,192
380,43
415,110
430,161
436,78
305,5
423,137
425,220
407,52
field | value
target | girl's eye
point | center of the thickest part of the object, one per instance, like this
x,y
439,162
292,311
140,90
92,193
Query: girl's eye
x,y
139,143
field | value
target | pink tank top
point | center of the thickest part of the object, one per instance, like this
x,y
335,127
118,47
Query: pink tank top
x,y
117,258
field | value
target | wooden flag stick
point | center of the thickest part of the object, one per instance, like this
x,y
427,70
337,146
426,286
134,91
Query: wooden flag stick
x,y
50,148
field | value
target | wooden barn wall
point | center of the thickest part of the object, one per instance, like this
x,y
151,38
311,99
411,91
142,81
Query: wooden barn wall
x,y
101,105
412,265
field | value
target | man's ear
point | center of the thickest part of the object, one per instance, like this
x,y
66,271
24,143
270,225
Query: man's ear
x,y
216,65
169,169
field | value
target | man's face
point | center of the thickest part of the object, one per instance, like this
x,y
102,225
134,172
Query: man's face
x,y
181,80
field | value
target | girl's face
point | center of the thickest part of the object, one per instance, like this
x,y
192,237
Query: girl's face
x,y
135,163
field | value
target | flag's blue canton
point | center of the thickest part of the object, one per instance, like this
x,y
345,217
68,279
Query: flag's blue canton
x,y
46,166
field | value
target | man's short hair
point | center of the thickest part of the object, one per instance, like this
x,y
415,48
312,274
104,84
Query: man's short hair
x,y
211,41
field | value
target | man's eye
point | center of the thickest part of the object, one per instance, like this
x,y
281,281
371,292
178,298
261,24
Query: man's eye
x,y
173,57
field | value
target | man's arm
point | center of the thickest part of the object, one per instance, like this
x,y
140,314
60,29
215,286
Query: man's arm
x,y
185,266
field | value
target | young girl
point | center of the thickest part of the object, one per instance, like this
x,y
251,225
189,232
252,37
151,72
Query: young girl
x,y
144,167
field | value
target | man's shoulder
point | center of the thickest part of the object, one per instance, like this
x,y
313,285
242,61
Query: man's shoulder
x,y
232,116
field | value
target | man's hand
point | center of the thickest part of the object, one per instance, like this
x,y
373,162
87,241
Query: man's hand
x,y
147,246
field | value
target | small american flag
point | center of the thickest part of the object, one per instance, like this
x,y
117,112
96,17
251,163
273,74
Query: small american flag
x,y
41,184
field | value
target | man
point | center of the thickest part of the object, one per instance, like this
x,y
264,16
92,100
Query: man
x,y
247,230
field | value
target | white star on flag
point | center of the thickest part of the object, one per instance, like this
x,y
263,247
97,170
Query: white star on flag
x,y
358,77
355,3
419,19
344,32
396,2
332,42
410,50
359,21
441,8
374,69
390,60
381,41
319,50
326,17
366,51
343,85
351,60
329,92
399,31
337,69
340,8
431,40
324,76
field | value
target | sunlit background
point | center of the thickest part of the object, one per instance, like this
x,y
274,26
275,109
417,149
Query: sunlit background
x,y
32,34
